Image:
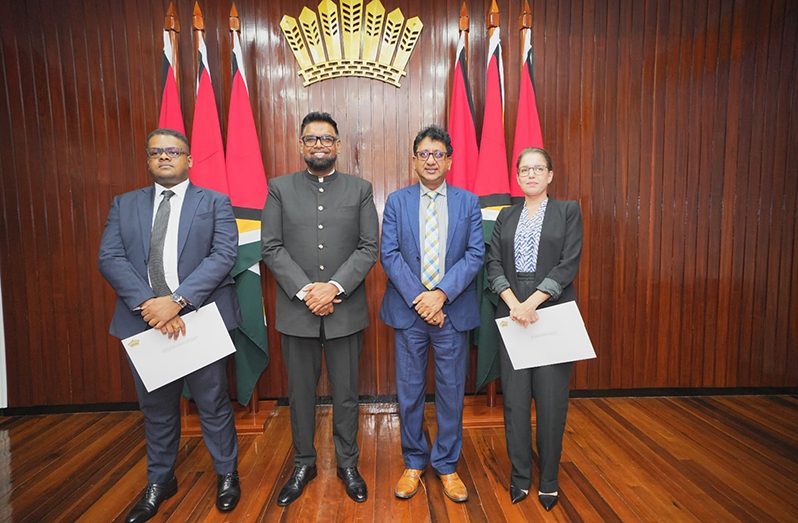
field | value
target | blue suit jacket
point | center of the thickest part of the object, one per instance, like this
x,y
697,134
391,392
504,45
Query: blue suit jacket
x,y
207,247
401,258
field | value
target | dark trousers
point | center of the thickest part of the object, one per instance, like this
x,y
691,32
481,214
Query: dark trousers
x,y
302,358
161,409
548,386
450,352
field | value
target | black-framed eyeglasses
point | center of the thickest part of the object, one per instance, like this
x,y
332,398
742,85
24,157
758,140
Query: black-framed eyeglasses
x,y
311,140
171,152
436,155
537,170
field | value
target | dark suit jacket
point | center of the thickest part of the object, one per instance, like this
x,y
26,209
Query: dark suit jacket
x,y
558,253
291,240
207,247
401,258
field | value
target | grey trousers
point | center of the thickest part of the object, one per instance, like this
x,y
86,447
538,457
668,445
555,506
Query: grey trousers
x,y
302,358
548,386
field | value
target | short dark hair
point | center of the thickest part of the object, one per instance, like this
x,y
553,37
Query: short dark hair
x,y
318,116
436,134
162,131
530,150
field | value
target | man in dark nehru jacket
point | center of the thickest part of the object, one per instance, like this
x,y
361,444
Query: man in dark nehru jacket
x,y
168,249
319,238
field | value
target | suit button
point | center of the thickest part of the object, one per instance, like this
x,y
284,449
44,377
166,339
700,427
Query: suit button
x,y
321,246
321,189
321,207
321,267
321,226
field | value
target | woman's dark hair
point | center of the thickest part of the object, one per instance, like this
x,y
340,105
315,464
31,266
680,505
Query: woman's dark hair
x,y
538,150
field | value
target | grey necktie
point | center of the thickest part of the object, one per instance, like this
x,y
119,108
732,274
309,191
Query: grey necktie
x,y
155,264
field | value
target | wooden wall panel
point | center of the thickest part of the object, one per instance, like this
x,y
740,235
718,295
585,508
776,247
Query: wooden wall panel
x,y
673,123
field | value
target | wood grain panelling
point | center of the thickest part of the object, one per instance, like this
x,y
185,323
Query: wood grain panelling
x,y
675,124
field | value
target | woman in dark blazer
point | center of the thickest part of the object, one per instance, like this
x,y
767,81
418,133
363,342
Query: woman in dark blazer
x,y
533,258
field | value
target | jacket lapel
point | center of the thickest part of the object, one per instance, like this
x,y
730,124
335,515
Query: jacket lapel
x,y
545,229
146,197
454,219
411,215
187,213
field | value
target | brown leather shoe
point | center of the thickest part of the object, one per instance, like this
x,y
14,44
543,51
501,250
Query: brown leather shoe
x,y
408,483
454,488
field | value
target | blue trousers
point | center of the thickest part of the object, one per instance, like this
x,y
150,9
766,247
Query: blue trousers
x,y
450,352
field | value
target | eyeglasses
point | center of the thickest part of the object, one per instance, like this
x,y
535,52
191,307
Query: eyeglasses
x,y
171,152
311,140
537,170
436,155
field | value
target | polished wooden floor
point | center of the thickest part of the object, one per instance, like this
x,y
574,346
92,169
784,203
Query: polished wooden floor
x,y
706,459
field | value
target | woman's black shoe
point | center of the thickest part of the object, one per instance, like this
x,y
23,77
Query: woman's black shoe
x,y
548,501
516,494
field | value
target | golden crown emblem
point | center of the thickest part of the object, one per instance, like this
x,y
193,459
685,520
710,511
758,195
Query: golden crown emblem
x,y
352,42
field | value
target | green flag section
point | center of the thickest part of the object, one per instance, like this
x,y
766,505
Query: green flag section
x,y
246,181
486,336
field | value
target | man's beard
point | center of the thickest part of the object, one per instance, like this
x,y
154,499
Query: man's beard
x,y
320,164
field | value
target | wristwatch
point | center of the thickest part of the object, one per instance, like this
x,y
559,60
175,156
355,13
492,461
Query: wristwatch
x,y
179,300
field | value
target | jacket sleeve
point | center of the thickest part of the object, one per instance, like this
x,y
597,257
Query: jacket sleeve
x,y
404,279
115,266
564,272
493,262
286,271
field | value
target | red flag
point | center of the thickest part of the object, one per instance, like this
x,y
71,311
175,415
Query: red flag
x,y
171,116
207,150
461,125
527,126
492,182
246,177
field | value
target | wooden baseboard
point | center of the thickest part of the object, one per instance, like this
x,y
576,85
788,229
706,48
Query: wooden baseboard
x,y
477,413
246,422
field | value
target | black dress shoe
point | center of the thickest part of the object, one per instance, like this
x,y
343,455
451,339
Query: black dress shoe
x,y
296,484
154,494
548,501
516,494
355,486
228,490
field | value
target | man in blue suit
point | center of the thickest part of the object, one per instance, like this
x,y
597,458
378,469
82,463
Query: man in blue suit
x,y
168,249
432,249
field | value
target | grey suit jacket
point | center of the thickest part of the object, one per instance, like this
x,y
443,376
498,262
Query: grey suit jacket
x,y
207,249
320,232
558,253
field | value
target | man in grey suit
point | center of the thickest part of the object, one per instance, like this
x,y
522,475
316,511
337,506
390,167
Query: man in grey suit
x,y
168,249
319,239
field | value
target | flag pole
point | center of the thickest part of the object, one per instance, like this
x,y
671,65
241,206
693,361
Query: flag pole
x,y
171,23
198,25
524,24
492,23
463,25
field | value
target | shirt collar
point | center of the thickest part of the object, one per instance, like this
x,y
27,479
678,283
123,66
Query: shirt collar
x,y
441,190
179,189
321,179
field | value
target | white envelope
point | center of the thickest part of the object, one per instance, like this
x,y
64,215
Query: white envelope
x,y
160,360
557,337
